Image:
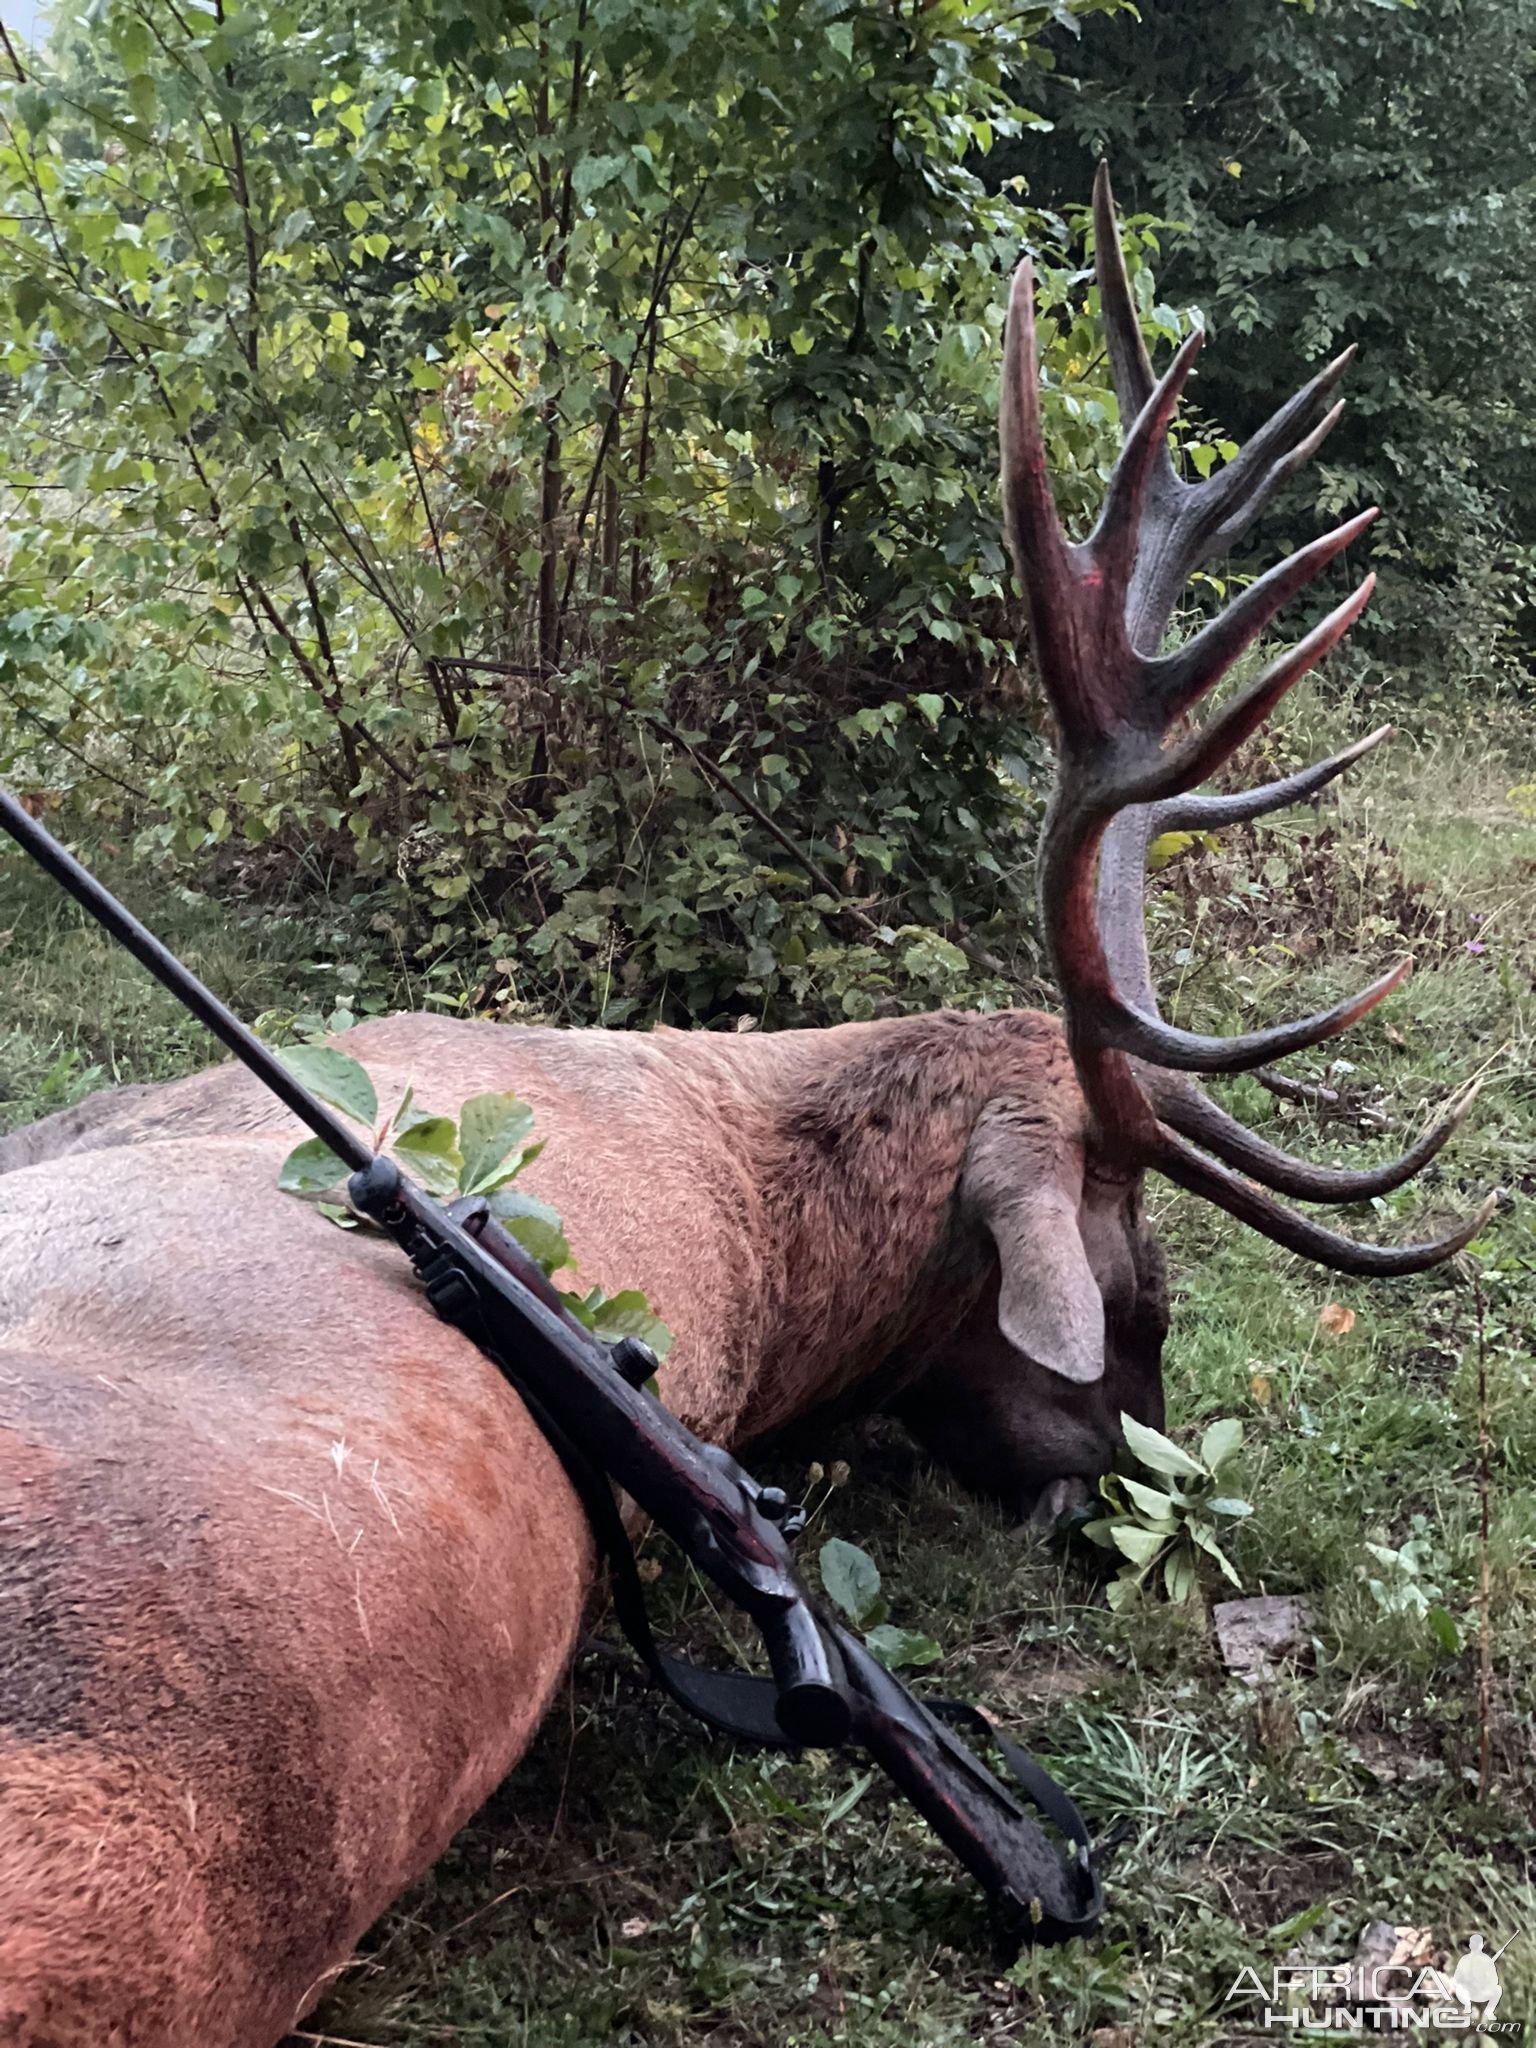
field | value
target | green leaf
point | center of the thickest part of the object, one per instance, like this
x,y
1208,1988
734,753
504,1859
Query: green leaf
x,y
1153,1450
846,1801
429,1150
630,1315
1179,1578
411,1115
492,1129
897,1648
1205,1536
852,1579
29,295
1168,846
135,43
930,706
1444,1630
1228,1505
1160,1506
593,173
535,1225
1141,1546
311,1169
1219,1443
335,1077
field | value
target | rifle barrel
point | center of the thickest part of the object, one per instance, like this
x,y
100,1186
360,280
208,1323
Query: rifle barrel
x,y
95,898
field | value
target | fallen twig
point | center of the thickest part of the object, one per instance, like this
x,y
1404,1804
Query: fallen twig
x,y
1314,1094
1485,1568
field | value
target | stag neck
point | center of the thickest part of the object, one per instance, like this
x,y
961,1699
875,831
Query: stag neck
x,y
867,1157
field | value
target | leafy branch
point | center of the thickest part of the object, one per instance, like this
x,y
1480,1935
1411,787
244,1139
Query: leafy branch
x,y
480,1152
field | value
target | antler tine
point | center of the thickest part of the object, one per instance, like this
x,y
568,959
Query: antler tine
x,y
1267,449
1194,520
1247,493
1240,1198
1195,1116
1210,813
1124,1015
1122,871
1115,536
1184,768
1130,365
1123,856
1040,550
1178,681
1191,1052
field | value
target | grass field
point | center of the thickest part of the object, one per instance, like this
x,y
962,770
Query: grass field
x,y
636,1883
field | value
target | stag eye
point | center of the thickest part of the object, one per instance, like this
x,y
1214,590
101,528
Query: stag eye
x,y
1107,1178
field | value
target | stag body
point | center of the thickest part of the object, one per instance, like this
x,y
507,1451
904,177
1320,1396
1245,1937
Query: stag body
x,y
290,1576
297,1577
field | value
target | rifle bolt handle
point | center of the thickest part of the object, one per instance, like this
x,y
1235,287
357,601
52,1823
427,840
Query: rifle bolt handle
x,y
633,1360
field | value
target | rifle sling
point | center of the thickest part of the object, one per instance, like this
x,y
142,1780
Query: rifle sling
x,y
740,1705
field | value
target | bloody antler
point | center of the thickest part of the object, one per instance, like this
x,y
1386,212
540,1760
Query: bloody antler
x,y
1099,610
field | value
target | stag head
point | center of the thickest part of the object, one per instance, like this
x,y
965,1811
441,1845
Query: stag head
x,y
1032,1390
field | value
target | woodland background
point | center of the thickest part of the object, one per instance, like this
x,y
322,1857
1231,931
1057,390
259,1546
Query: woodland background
x,y
449,452
498,512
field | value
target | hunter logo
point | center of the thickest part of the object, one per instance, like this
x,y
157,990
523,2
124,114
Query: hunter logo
x,y
1400,1982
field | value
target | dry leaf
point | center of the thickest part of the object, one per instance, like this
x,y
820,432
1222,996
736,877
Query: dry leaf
x,y
1336,1320
1261,1389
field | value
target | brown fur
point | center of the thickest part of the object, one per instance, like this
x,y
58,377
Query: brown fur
x,y
295,1575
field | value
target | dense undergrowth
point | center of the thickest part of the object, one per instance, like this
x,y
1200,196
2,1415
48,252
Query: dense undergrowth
x,y
633,1883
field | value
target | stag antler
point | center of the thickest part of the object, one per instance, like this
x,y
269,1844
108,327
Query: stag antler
x,y
1099,610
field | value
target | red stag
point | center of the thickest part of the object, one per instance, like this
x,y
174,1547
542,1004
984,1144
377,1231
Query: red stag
x,y
289,1577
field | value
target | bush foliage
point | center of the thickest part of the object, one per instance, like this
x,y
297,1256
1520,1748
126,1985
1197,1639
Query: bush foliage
x,y
534,464
538,461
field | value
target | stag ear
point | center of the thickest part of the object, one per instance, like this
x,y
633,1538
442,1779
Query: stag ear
x,y
1025,1186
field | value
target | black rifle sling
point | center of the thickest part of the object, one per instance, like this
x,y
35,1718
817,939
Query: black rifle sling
x,y
1069,1897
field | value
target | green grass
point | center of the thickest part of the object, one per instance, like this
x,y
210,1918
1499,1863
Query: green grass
x,y
636,1882
79,1015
